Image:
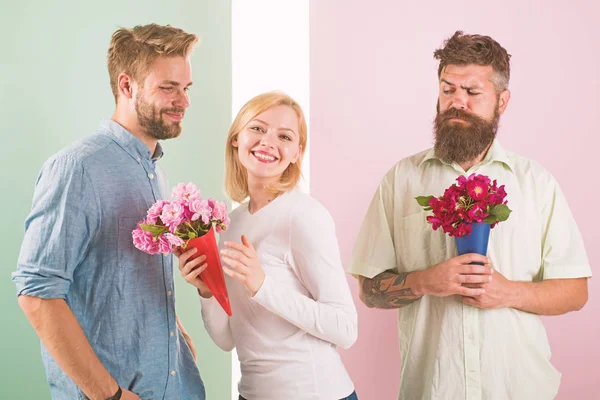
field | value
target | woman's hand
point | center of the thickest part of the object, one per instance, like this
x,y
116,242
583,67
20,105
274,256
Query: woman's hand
x,y
190,270
243,264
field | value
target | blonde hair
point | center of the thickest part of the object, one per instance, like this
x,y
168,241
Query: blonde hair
x,y
236,176
132,51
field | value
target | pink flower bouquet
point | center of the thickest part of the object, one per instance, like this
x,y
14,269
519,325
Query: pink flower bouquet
x,y
187,221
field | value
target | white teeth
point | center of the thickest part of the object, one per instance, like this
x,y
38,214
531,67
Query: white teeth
x,y
264,157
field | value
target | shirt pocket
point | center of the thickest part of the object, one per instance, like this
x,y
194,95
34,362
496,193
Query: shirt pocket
x,y
418,245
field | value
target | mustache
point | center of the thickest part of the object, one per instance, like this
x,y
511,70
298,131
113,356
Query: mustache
x,y
456,113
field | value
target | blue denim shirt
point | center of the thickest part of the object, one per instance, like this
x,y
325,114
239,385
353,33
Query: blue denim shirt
x,y
78,247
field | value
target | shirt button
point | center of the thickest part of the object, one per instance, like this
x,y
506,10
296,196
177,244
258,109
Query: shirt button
x,y
139,160
169,293
172,334
151,175
172,373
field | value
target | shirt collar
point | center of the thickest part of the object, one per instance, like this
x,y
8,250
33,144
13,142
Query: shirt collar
x,y
496,153
129,142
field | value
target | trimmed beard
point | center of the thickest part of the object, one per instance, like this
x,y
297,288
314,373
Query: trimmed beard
x,y
150,118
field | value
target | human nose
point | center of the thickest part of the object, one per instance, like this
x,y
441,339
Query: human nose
x,y
268,139
182,100
459,100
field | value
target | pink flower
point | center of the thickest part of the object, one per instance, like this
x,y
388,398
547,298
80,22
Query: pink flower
x,y
163,245
201,209
224,224
155,211
219,210
172,215
170,224
144,241
186,193
174,240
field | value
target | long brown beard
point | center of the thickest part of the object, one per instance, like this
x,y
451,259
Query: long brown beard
x,y
462,141
150,118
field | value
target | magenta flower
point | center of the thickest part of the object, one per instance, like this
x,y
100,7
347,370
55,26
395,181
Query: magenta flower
x,y
473,199
477,190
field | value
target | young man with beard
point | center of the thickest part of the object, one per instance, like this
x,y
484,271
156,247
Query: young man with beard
x,y
472,331
105,311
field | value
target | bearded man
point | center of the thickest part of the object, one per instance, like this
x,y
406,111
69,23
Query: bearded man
x,y
471,331
104,311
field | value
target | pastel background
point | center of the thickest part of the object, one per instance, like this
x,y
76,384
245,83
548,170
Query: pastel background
x,y
373,95
364,73
54,89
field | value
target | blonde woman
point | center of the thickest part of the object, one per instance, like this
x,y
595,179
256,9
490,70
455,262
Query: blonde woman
x,y
290,298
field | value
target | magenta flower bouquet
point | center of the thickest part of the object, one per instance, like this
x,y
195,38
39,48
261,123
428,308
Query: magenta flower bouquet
x,y
467,211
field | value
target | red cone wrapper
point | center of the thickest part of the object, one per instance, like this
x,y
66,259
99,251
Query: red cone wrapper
x,y
213,274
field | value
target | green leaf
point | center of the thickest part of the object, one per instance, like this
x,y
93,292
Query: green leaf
x,y
423,200
501,211
154,229
490,219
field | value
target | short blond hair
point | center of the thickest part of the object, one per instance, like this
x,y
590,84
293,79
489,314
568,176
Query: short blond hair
x,y
236,176
132,51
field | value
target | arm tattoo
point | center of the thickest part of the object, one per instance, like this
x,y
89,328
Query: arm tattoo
x,y
387,290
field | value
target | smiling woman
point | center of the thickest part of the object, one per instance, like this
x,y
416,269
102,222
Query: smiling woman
x,y
265,146
290,301
269,144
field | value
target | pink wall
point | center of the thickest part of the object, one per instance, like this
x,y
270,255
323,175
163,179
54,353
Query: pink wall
x,y
373,94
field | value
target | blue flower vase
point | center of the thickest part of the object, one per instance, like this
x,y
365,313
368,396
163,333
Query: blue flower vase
x,y
475,242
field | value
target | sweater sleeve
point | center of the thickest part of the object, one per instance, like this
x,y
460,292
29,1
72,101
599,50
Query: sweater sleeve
x,y
327,311
216,322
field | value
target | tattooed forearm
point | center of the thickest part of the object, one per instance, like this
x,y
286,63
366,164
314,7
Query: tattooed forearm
x,y
387,290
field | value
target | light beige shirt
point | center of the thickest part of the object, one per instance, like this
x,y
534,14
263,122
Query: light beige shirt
x,y
451,350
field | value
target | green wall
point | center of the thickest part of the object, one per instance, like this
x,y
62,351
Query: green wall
x,y
53,90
